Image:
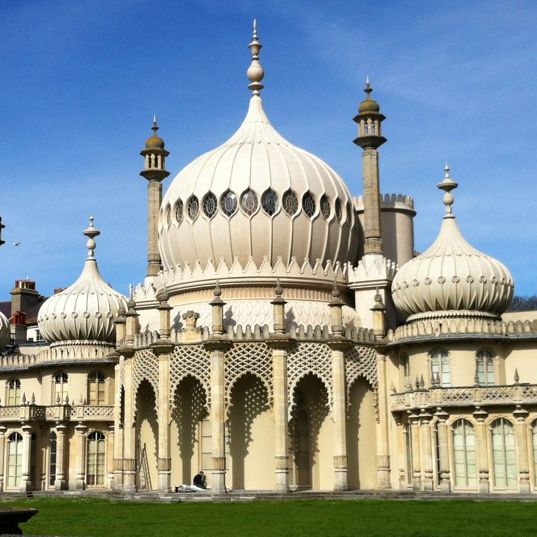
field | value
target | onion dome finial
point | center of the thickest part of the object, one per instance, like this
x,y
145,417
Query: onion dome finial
x,y
255,72
91,232
447,184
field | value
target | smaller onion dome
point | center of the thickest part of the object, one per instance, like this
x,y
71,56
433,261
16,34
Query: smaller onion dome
x,y
154,141
5,331
85,311
451,278
368,104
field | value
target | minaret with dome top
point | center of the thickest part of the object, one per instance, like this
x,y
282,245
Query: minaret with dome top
x,y
154,171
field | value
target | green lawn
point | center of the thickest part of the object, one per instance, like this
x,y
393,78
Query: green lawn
x,y
334,518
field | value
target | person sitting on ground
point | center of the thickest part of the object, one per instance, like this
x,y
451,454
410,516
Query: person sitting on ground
x,y
200,480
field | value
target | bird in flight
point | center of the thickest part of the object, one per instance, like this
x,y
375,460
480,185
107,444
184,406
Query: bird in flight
x,y
16,243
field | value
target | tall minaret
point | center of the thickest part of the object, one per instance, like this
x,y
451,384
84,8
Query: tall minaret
x,y
155,172
370,138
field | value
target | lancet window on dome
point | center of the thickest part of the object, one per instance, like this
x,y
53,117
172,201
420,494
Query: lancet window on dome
x,y
249,202
290,202
228,203
349,212
308,204
337,209
168,215
179,211
209,205
193,207
269,201
325,206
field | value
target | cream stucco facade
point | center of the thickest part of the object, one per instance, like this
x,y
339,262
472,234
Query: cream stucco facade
x,y
286,336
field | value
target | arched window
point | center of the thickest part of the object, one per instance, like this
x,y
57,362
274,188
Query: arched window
x,y
308,204
179,211
209,204
484,365
14,460
325,206
228,203
193,207
464,458
52,460
269,201
440,371
504,454
60,386
249,202
95,467
96,382
405,366
14,392
290,202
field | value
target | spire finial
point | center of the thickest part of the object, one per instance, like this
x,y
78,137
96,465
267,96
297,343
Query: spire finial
x,y
255,72
154,127
447,185
91,232
368,89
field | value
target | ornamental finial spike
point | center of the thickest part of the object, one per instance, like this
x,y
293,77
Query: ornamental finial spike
x,y
91,232
154,127
368,89
255,72
447,185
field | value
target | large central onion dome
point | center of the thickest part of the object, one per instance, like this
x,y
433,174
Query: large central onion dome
x,y
256,198
451,278
86,310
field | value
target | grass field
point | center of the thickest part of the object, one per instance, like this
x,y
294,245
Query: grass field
x,y
334,518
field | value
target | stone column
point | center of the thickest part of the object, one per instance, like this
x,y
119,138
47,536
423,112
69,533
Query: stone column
x,y
523,460
154,197
118,430
129,440
217,347
2,456
383,449
371,198
59,482
427,451
416,451
445,483
482,450
281,408
26,479
163,350
110,456
80,458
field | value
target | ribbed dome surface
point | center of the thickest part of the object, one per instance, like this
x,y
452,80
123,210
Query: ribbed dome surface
x,y
256,195
5,331
452,278
85,311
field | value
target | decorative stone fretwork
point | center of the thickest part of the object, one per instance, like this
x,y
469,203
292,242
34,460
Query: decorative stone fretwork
x,y
360,361
243,358
309,358
193,360
145,367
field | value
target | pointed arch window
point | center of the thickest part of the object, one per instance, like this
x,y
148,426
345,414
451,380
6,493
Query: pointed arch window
x,y
228,203
325,206
249,202
95,467
504,454
14,460
179,211
484,364
269,201
464,454
13,392
338,210
290,202
193,207
61,382
440,368
97,391
209,204
308,204
168,215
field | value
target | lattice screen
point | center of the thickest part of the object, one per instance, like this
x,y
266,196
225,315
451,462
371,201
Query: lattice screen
x,y
145,367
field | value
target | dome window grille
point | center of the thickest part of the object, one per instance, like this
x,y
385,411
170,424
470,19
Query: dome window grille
x,y
337,207
179,211
325,206
308,204
209,204
249,202
193,207
290,203
228,203
168,215
349,212
269,201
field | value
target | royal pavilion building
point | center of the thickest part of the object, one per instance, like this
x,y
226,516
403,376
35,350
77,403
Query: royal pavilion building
x,y
285,337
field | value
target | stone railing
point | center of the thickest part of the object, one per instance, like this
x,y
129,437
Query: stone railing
x,y
448,327
55,413
465,396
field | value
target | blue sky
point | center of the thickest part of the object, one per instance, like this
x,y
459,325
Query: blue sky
x,y
79,82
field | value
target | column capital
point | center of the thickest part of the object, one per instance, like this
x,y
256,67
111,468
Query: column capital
x,y
479,414
161,347
217,344
520,413
441,414
80,428
279,342
339,343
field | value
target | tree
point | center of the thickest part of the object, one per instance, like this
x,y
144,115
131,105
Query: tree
x,y
523,303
